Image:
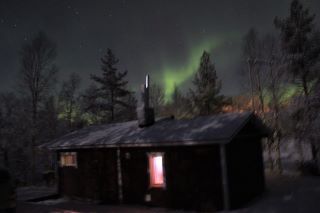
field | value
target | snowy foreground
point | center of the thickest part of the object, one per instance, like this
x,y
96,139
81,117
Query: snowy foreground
x,y
284,194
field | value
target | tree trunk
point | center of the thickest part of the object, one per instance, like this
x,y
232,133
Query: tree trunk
x,y
269,148
278,133
305,87
70,115
33,159
314,151
250,66
279,163
6,158
33,141
260,94
112,106
300,150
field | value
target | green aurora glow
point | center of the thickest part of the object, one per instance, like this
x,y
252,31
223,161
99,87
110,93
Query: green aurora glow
x,y
172,75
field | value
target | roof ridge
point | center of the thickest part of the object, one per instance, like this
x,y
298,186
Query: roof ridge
x,y
214,128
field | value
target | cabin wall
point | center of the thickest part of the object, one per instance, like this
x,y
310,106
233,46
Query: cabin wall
x,y
95,177
192,174
245,170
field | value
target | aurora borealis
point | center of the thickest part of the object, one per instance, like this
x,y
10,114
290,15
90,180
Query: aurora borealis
x,y
162,38
177,75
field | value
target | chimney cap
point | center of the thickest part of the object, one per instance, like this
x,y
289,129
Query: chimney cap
x,y
144,112
147,80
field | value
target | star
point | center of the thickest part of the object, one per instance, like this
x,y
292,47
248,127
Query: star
x,y
109,13
82,44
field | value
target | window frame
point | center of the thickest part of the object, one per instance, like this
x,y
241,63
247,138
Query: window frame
x,y
64,163
152,155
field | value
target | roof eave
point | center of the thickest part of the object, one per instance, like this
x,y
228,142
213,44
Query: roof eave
x,y
146,144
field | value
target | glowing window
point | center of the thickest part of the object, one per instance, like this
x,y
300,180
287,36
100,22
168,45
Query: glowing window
x,y
68,159
156,170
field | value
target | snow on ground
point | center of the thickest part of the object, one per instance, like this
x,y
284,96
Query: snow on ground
x,y
289,155
286,193
53,201
32,192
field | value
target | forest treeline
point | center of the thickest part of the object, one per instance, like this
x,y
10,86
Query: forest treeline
x,y
281,71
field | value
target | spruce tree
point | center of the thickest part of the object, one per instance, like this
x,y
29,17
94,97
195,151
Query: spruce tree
x,y
157,98
68,98
205,96
111,85
301,42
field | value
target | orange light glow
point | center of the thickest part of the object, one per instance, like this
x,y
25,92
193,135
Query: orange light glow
x,y
156,170
68,159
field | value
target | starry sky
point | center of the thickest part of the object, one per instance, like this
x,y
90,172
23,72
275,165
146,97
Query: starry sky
x,y
163,38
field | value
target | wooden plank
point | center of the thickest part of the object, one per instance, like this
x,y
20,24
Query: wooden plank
x,y
225,185
120,195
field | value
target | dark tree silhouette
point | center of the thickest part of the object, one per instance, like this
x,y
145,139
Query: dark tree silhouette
x,y
128,112
112,85
251,48
252,54
301,42
8,118
205,97
157,98
176,96
48,120
275,82
89,105
179,105
68,97
37,75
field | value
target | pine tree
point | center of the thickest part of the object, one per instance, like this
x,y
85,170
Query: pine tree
x,y
68,98
176,96
301,42
112,85
205,97
178,103
157,98
92,111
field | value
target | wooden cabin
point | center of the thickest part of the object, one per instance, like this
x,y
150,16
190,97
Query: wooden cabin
x,y
205,163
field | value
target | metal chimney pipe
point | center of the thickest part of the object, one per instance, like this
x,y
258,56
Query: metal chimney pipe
x,y
147,80
144,112
146,92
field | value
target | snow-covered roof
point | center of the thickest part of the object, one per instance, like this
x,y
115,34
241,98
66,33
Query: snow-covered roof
x,y
201,130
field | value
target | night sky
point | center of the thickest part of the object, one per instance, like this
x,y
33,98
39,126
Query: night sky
x,y
162,38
